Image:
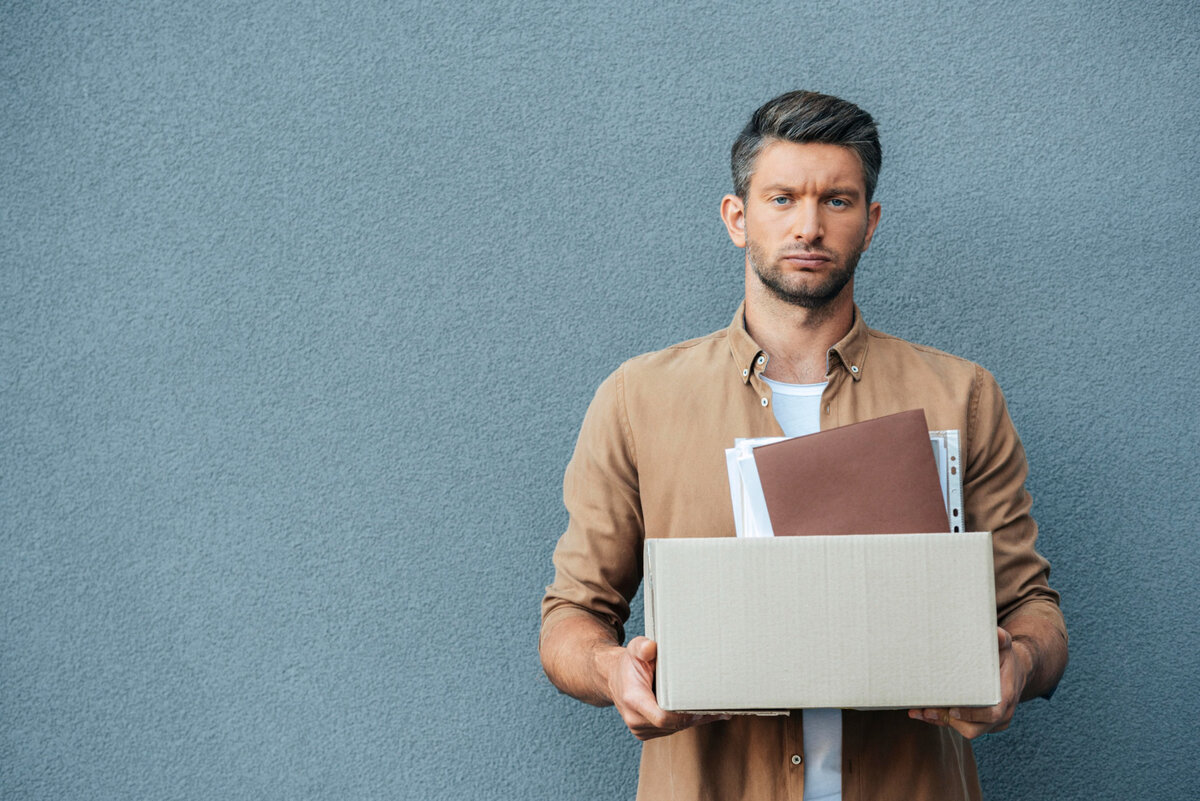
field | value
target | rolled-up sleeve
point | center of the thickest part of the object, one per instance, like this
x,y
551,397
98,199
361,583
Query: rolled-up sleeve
x,y
997,501
598,560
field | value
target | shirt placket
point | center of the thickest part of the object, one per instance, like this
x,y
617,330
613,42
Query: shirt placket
x,y
793,756
831,412
762,391
791,746
840,376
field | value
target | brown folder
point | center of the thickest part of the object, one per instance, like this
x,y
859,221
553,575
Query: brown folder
x,y
874,477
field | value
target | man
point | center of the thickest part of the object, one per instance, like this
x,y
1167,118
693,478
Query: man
x,y
796,358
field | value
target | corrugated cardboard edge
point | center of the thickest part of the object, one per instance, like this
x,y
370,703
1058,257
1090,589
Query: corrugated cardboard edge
x,y
991,561
649,611
648,595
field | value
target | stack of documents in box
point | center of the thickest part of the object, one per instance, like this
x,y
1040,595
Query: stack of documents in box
x,y
865,478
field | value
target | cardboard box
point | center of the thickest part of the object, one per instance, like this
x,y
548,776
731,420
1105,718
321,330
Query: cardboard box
x,y
850,621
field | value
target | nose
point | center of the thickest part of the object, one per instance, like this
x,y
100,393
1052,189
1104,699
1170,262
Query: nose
x,y
807,224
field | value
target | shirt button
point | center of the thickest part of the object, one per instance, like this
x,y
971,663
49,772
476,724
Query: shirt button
x,y
762,360
745,373
797,759
764,401
854,369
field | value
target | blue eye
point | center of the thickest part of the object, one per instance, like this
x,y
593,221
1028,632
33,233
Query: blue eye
x,y
838,203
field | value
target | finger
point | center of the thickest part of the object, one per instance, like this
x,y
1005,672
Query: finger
x,y
647,720
977,714
662,723
938,716
973,728
923,715
701,720
1005,638
969,730
647,724
640,710
643,648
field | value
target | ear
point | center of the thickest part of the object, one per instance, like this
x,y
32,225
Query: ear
x,y
733,214
873,214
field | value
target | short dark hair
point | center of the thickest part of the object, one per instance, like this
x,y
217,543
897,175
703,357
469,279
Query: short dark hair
x,y
804,117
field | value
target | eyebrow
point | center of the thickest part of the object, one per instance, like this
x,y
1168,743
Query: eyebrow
x,y
849,191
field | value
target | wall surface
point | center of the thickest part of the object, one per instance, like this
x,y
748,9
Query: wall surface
x,y
302,304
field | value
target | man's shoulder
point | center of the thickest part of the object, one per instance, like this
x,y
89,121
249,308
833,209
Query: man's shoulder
x,y
651,384
891,348
700,354
923,369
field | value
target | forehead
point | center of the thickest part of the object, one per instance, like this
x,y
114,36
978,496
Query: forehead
x,y
811,164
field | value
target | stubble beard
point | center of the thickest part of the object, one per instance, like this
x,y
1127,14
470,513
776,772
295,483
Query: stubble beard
x,y
798,293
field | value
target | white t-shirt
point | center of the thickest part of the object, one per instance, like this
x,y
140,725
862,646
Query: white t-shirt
x,y
798,411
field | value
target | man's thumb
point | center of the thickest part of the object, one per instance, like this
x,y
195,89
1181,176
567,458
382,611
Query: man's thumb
x,y
1005,638
644,649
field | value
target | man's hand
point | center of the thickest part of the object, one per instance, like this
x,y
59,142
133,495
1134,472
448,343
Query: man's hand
x,y
630,677
582,658
1016,665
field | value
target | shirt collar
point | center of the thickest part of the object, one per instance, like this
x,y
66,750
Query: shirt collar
x,y
850,352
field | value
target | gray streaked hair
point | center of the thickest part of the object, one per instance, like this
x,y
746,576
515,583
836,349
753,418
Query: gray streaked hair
x,y
805,117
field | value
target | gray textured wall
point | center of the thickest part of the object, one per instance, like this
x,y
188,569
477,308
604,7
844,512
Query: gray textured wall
x,y
302,305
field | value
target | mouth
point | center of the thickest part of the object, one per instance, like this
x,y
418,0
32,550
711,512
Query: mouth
x,y
805,260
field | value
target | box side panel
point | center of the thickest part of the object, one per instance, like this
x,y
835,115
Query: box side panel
x,y
852,621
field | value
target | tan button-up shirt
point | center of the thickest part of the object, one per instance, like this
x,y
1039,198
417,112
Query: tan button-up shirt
x,y
650,462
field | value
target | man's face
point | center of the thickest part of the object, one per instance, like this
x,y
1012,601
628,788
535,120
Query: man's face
x,y
804,222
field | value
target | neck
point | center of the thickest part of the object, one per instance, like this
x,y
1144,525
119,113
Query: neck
x,y
796,339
